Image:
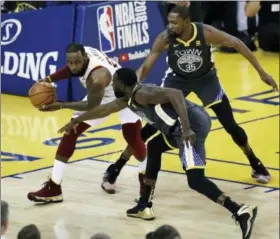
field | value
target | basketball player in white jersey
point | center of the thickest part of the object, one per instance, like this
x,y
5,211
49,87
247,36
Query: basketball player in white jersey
x,y
95,71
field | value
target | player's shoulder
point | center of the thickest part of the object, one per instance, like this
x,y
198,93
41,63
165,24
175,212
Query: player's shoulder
x,y
91,50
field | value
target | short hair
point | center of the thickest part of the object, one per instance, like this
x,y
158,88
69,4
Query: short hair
x,y
29,232
4,212
75,47
127,76
164,232
100,236
182,11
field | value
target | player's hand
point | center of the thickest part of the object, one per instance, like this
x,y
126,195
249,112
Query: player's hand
x,y
51,107
266,78
68,127
189,137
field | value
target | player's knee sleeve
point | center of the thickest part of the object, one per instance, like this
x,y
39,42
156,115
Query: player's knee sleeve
x,y
132,135
224,114
239,136
67,144
154,160
195,179
198,182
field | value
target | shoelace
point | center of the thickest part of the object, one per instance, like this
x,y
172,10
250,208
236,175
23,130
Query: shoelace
x,y
47,182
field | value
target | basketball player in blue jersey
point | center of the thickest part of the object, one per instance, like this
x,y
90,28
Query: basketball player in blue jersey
x,y
183,125
191,69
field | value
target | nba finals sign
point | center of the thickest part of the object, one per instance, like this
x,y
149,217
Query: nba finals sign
x,y
123,26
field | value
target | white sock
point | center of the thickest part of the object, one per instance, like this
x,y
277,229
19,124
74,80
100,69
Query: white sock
x,y
58,171
142,166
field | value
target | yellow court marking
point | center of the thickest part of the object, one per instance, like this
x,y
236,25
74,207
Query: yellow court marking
x,y
26,133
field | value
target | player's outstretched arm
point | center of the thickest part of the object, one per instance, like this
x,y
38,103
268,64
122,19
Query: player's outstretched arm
x,y
160,44
96,113
215,36
60,74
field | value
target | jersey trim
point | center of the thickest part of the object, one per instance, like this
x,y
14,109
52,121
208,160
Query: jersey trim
x,y
187,43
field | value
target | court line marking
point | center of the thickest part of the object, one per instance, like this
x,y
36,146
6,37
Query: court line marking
x,y
250,121
271,190
245,122
106,161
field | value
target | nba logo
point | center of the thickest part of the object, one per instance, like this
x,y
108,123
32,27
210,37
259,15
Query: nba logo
x,y
107,39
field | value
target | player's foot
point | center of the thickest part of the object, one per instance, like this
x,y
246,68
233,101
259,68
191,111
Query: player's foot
x,y
261,174
141,210
245,217
109,179
50,193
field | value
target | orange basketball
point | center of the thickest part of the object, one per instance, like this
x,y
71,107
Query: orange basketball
x,y
42,94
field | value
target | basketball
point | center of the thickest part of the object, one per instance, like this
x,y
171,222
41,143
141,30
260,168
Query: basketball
x,y
42,94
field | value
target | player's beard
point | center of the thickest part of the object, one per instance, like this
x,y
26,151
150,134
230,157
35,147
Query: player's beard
x,y
171,34
118,93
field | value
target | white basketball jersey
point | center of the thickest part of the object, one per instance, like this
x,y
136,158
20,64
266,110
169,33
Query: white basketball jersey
x,y
99,59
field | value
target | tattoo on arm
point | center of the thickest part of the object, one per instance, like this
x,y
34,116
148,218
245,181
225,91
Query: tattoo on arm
x,y
96,83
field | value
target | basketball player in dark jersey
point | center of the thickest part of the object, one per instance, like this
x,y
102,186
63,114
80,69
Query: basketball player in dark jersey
x,y
191,69
183,125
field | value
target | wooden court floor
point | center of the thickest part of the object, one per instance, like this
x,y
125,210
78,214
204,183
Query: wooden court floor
x,y
29,142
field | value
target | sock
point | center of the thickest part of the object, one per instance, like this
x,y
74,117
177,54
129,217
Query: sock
x,y
142,166
58,171
230,205
254,161
146,196
121,162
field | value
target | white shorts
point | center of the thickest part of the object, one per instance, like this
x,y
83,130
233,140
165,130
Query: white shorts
x,y
125,115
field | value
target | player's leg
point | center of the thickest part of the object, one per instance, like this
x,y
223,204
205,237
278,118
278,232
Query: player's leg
x,y
224,114
213,96
51,191
193,161
155,148
131,128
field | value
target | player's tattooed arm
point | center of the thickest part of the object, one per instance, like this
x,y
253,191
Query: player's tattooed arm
x,y
215,36
96,113
153,95
96,84
160,44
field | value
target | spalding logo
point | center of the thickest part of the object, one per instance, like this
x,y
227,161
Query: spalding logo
x,y
10,30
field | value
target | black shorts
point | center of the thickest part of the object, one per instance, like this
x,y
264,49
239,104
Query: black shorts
x,y
207,88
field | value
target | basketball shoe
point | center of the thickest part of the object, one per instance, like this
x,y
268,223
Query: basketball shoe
x,y
49,193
